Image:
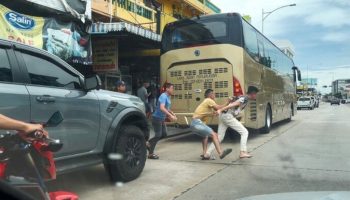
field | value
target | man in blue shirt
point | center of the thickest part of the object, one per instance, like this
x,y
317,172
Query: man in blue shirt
x,y
158,118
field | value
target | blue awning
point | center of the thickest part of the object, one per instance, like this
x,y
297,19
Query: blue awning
x,y
103,28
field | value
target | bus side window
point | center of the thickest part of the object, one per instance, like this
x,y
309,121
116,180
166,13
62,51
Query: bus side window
x,y
251,41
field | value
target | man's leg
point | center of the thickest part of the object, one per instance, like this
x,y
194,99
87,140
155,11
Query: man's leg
x,y
158,130
164,130
238,127
205,145
222,153
221,134
214,137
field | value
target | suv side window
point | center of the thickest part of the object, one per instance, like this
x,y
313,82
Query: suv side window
x,y
5,68
46,73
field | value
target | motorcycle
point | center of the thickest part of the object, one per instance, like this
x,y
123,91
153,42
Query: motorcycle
x,y
26,162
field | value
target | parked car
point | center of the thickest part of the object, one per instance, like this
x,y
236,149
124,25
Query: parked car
x,y
99,126
347,100
335,101
305,102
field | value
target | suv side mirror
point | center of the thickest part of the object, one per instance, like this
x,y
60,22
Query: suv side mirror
x,y
92,83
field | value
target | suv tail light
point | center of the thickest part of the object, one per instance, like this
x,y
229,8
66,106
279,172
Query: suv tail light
x,y
237,88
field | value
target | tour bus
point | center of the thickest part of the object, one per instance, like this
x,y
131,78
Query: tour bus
x,y
225,53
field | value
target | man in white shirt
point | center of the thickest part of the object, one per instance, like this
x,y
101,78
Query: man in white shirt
x,y
228,118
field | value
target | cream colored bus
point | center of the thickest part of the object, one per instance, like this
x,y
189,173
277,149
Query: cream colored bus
x,y
227,54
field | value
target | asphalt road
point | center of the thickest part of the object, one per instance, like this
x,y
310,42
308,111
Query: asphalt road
x,y
310,153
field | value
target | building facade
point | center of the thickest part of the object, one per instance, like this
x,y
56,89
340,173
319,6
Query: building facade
x,y
308,86
286,46
341,86
126,37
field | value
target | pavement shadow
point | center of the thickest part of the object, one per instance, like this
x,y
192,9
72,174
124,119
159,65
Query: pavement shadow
x,y
81,181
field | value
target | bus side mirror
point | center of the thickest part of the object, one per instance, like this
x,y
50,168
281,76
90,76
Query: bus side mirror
x,y
296,74
299,75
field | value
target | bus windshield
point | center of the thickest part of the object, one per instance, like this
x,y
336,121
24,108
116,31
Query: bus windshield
x,y
191,33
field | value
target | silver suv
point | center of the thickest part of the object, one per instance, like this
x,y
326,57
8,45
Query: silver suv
x,y
99,126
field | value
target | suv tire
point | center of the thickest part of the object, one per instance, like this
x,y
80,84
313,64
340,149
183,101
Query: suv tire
x,y
131,145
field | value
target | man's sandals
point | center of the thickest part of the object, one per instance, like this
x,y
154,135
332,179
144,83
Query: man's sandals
x,y
153,156
222,156
245,155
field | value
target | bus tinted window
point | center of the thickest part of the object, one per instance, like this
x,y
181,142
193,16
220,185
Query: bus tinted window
x,y
193,33
264,52
251,41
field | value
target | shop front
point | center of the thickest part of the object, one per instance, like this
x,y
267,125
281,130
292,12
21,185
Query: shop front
x,y
122,51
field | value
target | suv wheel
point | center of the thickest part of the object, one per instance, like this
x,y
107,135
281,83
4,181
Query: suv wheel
x,y
131,145
268,120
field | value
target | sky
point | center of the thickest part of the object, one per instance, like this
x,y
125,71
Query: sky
x,y
318,29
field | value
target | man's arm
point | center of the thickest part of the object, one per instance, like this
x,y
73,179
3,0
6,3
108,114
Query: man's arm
x,y
231,105
167,112
7,123
218,107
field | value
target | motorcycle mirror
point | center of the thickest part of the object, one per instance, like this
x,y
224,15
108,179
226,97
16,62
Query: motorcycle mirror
x,y
53,147
54,120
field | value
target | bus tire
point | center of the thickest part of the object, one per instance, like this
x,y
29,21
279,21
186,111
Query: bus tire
x,y
268,121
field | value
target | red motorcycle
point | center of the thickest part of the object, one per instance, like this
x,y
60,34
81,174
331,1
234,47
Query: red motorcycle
x,y
26,162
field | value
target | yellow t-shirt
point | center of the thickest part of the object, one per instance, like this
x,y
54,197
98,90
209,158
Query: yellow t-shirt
x,y
204,110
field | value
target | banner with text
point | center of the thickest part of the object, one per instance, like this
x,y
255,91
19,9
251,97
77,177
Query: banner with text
x,y
105,54
64,40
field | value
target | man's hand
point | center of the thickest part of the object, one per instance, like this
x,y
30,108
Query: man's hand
x,y
173,118
218,112
30,128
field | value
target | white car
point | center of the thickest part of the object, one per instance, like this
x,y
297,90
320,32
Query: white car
x,y
305,102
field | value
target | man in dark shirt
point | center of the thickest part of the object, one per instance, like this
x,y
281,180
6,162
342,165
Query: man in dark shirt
x,y
121,87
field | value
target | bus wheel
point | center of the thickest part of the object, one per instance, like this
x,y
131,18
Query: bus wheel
x,y
268,120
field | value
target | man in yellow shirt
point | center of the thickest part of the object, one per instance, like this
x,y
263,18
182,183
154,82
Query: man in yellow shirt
x,y
201,115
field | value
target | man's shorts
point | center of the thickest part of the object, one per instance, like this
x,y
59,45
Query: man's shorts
x,y
199,128
147,107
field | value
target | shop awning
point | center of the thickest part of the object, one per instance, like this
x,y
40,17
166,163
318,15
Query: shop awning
x,y
103,28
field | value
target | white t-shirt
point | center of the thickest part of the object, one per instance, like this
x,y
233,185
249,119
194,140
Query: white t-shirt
x,y
235,111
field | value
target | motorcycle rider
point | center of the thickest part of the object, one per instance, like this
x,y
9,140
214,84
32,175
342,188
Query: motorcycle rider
x,y
23,128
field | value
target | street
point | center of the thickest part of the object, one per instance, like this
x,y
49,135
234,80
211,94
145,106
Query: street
x,y
310,153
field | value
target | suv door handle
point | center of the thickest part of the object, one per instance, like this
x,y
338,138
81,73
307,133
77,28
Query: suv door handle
x,y
45,99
